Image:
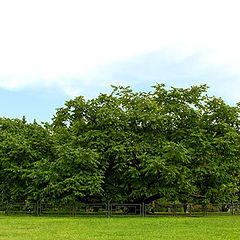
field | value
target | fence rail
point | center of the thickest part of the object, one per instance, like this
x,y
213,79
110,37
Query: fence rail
x,y
118,209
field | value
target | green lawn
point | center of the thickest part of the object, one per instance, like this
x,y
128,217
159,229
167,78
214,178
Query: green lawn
x,y
59,228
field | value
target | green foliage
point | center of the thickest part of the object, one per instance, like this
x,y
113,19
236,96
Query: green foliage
x,y
175,143
23,149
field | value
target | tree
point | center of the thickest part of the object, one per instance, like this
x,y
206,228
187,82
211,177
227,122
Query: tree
x,y
25,153
177,143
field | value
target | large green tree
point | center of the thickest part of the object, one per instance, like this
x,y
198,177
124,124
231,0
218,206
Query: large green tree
x,y
177,143
25,155
125,146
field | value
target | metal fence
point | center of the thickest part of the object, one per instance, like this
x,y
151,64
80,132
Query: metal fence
x,y
118,209
191,209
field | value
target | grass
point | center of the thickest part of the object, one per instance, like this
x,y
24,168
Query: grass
x,y
92,228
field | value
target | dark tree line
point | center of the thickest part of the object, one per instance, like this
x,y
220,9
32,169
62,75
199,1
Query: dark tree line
x,y
179,144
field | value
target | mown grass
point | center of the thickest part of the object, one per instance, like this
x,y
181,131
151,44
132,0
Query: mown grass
x,y
89,228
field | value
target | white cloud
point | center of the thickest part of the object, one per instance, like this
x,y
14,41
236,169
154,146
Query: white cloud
x,y
49,42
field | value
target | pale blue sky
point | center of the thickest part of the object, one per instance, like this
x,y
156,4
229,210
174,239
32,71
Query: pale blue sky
x,y
53,50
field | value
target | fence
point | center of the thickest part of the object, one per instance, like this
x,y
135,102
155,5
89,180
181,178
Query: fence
x,y
118,209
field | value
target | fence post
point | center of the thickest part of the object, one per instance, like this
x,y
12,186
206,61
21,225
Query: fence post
x,y
39,207
108,209
204,209
232,208
36,209
143,209
190,210
74,209
6,212
173,210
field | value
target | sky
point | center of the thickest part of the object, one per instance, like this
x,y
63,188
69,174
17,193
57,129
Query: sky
x,y
54,50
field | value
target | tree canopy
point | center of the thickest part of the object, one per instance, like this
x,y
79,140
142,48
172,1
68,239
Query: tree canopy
x,y
126,146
